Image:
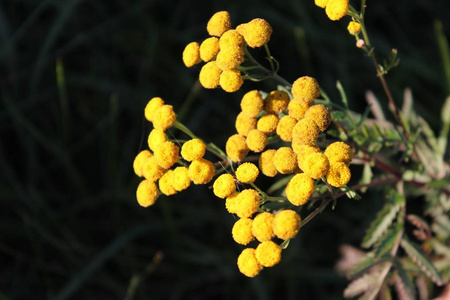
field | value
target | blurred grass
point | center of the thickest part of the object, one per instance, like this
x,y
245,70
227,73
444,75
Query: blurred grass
x,y
74,79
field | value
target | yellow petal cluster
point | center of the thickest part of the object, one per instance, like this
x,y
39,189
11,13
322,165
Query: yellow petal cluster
x,y
248,264
285,127
242,231
266,163
209,76
146,193
256,33
244,123
285,160
299,189
305,132
339,152
276,102
155,138
164,117
139,162
320,115
267,123
256,140
236,147
191,54
209,49
152,170
297,108
338,174
167,154
262,227
152,106
315,165
247,173
231,80
252,103
219,23
305,89
180,178
268,254
224,185
165,184
286,224
336,9
354,27
201,171
193,150
247,203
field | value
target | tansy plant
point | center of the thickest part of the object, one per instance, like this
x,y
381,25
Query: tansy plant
x,y
305,142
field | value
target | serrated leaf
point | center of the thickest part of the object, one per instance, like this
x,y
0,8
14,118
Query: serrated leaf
x,y
366,263
386,242
405,285
421,260
361,285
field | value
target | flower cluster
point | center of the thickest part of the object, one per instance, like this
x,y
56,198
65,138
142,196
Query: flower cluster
x,y
335,9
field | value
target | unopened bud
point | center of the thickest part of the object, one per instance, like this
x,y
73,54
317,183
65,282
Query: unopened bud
x,y
360,43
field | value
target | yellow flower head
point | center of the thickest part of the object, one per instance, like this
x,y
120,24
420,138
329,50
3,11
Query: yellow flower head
x,y
319,114
231,38
297,108
256,140
244,123
146,193
338,174
247,173
354,28
339,152
224,185
286,224
219,23
164,117
256,33
209,76
167,154
165,184
299,189
231,80
305,132
152,171
336,9
268,123
252,103
193,149
242,231
230,58
248,264
191,54
236,147
266,164
315,165
268,254
152,106
285,160
209,49
247,203
262,227
231,202
276,102
303,151
180,178
201,171
155,138
284,128
305,89
139,162
321,3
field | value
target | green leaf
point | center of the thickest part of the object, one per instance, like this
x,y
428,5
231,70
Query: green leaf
x,y
338,115
405,284
421,260
279,184
362,284
342,93
385,244
367,175
351,194
364,264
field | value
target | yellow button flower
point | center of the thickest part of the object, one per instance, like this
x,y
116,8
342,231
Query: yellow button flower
x,y
338,174
268,123
256,140
276,102
209,76
231,80
247,173
305,89
236,147
268,254
354,27
231,202
299,189
146,193
285,160
256,33
244,123
262,227
166,154
201,171
193,150
180,178
303,151
285,127
139,162
152,106
164,117
316,165
224,185
248,264
297,108
231,38
165,184
305,132
336,9
339,152
319,114
266,164
252,103
242,231
247,203
209,49
219,23
155,138
191,54
230,58
321,3
286,224
152,171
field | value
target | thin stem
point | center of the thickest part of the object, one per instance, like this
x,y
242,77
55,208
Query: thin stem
x,y
269,57
178,125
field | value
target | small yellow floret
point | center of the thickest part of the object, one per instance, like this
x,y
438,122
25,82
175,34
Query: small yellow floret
x,y
256,33
231,202
247,203
231,80
285,160
339,152
164,117
139,162
315,165
354,27
305,132
236,147
152,106
180,178
146,193
230,58
268,123
284,128
319,114
304,150
247,173
297,108
209,49
266,164
248,264
286,224
276,102
299,189
231,38
224,185
256,140
321,3
209,76
336,9
244,123
305,89
219,23
201,171
167,154
338,174
155,138
191,54
268,254
152,170
165,184
262,227
242,231
193,149
252,103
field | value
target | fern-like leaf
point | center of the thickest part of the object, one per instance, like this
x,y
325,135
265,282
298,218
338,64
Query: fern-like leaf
x,y
404,284
385,244
361,285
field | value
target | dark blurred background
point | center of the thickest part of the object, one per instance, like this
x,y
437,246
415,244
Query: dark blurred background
x,y
74,79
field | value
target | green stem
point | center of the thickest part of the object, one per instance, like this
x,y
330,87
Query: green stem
x,y
180,126
263,194
269,57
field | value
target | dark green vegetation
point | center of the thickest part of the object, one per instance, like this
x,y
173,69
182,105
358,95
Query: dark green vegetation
x,y
74,79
